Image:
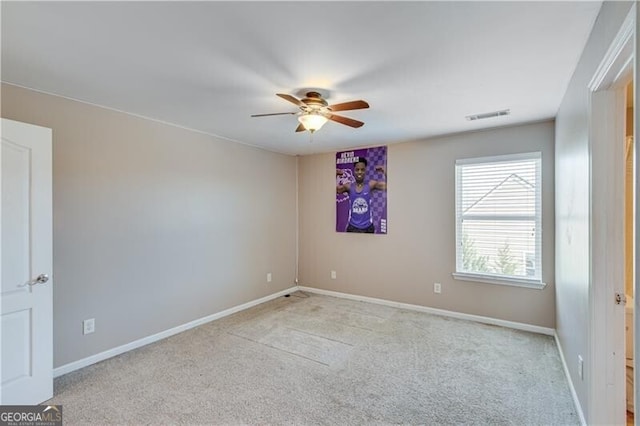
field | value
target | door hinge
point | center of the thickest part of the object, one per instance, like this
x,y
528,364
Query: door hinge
x,y
621,299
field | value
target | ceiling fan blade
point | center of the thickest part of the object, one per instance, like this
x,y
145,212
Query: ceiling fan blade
x,y
349,105
273,113
300,128
344,120
291,99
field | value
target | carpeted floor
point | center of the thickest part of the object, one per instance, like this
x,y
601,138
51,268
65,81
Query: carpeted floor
x,y
317,360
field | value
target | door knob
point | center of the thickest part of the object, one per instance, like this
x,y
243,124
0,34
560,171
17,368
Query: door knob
x,y
40,279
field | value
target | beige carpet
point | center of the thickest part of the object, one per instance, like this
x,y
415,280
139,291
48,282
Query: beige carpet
x,y
318,360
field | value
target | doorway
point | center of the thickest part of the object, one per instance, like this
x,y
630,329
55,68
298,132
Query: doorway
x,y
606,363
629,249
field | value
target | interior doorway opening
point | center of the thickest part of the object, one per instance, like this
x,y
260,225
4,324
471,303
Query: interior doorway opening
x,y
629,249
606,362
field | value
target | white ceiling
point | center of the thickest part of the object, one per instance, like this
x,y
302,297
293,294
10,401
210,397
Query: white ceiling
x,y
207,66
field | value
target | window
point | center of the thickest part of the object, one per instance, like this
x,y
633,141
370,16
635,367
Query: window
x,y
499,220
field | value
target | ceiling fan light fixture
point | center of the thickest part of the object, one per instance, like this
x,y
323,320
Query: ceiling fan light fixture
x,y
312,121
315,111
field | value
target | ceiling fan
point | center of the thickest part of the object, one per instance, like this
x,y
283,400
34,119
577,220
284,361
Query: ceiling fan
x,y
315,111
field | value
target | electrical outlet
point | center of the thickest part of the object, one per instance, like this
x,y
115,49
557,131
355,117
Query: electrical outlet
x,y
333,275
437,288
269,277
580,367
88,326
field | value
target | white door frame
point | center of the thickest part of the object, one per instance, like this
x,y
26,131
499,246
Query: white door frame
x,y
605,367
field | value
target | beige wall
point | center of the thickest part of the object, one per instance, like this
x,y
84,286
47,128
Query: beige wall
x,y
572,199
155,226
420,246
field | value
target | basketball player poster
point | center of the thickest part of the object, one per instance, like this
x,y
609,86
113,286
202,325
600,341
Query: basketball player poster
x,y
361,190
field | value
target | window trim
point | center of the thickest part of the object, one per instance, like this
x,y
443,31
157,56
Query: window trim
x,y
497,279
535,283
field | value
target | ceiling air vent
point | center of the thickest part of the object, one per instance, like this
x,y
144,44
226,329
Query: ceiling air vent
x,y
488,115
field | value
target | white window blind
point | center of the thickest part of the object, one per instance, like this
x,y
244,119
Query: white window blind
x,y
499,217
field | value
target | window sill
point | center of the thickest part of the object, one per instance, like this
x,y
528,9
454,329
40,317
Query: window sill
x,y
515,282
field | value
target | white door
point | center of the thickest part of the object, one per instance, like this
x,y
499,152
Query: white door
x,y
26,313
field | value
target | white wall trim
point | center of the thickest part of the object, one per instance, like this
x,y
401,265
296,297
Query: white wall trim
x,y
574,394
76,365
442,312
619,57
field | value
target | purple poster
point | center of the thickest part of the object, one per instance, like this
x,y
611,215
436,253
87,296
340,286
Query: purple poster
x,y
361,190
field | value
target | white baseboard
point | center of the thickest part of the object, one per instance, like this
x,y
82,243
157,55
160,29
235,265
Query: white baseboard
x,y
76,365
574,395
452,314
